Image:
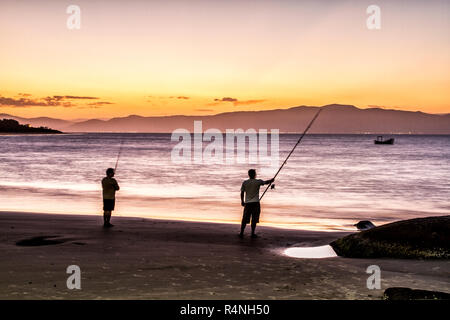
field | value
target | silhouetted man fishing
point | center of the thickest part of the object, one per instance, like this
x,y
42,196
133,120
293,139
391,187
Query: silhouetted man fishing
x,y
110,186
252,208
251,186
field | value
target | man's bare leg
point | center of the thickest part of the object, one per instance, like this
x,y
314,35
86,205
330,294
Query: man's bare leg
x,y
253,230
106,217
243,224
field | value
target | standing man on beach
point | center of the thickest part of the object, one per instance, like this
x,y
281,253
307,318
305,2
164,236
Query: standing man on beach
x,y
252,208
110,186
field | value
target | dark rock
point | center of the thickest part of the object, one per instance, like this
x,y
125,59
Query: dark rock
x,y
364,225
427,238
399,293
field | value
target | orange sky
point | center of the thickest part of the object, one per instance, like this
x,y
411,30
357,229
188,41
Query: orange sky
x,y
185,57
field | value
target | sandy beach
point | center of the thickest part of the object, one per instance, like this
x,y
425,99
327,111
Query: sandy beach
x,y
161,259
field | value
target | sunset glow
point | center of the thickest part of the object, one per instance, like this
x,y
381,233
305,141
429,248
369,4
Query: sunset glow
x,y
206,57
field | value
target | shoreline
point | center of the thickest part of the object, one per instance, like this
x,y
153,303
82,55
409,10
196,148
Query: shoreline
x,y
281,226
165,259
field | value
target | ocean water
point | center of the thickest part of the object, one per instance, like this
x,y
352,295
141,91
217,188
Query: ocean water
x,y
329,183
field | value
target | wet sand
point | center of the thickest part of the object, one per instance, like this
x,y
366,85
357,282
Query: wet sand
x,y
161,259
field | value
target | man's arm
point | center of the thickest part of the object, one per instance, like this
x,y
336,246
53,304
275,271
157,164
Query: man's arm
x,y
116,185
269,181
242,198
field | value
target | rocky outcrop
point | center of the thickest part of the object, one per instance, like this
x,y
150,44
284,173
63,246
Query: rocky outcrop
x,y
421,238
13,126
399,293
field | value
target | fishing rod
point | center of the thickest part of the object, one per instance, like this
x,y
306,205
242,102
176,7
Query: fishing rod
x,y
298,142
118,155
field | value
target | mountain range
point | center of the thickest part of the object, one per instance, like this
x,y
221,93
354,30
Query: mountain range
x,y
335,118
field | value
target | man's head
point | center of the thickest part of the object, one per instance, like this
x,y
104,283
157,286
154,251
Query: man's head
x,y
252,173
110,172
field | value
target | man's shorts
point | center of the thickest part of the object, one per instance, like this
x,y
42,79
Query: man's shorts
x,y
251,209
108,204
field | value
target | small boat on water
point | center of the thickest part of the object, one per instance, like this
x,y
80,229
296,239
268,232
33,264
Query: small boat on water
x,y
381,141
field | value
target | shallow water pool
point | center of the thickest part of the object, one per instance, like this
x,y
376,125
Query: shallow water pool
x,y
311,252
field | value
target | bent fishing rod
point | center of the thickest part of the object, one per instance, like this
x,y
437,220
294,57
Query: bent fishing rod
x,y
298,142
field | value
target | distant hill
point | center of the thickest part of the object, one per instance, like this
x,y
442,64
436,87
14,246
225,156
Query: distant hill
x,y
13,126
335,118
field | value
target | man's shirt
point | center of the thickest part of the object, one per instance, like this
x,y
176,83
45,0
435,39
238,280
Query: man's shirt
x,y
110,186
251,189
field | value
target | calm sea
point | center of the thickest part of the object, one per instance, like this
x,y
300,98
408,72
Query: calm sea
x,y
330,182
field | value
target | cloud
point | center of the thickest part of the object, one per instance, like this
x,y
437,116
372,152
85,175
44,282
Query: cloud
x,y
25,100
237,102
246,102
78,97
59,98
176,97
99,103
226,99
167,97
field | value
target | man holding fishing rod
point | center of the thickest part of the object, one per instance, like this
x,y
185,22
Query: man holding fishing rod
x,y
109,186
251,204
251,189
